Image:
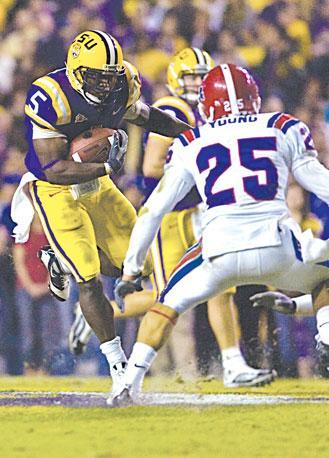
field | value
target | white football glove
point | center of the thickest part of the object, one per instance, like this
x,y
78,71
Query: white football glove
x,y
117,154
274,301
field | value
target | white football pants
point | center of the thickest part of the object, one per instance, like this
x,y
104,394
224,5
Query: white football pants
x,y
196,280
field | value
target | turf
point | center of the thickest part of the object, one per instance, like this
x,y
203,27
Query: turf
x,y
294,430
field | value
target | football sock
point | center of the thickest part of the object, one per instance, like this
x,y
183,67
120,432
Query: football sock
x,y
139,363
113,351
232,357
322,321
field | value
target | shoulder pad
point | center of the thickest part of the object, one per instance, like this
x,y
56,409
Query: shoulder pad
x,y
178,106
134,83
188,136
282,121
47,100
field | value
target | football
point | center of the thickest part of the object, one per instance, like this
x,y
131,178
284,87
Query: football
x,y
92,145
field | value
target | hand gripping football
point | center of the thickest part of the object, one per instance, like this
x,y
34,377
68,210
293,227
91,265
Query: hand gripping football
x,y
92,145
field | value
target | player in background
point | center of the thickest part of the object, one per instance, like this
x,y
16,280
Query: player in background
x,y
240,161
179,230
81,210
298,306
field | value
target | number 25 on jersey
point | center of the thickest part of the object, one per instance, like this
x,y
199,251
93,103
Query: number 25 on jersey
x,y
251,184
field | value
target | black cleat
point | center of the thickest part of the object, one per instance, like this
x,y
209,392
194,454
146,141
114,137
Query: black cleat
x,y
80,332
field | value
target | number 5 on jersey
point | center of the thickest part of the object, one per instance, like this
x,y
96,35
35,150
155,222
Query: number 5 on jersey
x,y
34,101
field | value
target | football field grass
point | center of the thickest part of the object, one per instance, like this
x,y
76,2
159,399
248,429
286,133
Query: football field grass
x,y
297,427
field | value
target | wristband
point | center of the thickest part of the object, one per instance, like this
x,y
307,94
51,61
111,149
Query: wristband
x,y
304,305
108,169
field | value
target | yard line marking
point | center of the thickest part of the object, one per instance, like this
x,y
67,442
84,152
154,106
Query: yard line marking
x,y
97,399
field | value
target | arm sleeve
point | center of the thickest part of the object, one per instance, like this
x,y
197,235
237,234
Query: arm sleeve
x,y
314,177
174,185
305,167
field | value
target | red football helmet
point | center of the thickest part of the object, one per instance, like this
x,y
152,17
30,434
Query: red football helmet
x,y
228,89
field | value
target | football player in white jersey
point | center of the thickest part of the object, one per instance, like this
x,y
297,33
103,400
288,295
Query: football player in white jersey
x,y
240,161
179,230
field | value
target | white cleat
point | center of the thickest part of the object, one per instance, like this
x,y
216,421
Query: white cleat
x,y
122,399
80,332
58,284
246,376
118,382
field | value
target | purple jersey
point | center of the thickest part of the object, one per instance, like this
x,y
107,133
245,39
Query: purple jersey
x,y
53,108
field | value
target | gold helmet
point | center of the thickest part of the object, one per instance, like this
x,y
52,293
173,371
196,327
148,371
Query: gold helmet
x,y
94,64
189,61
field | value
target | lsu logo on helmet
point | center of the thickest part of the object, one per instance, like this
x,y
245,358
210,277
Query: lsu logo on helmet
x,y
94,64
76,48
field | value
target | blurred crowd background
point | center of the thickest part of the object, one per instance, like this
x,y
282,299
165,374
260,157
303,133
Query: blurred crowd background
x,y
284,43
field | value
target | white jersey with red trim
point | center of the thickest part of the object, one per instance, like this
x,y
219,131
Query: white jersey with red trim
x,y
240,165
